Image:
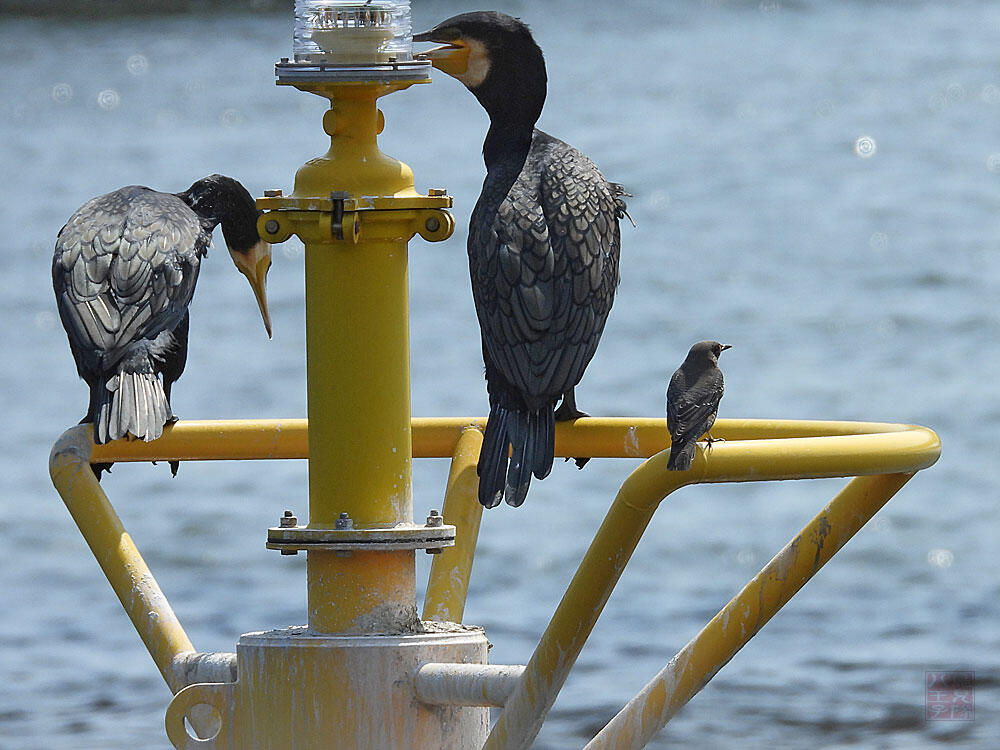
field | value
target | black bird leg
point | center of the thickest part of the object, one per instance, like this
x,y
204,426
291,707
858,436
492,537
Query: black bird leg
x,y
567,412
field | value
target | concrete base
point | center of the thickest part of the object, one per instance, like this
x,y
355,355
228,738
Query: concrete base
x,y
302,691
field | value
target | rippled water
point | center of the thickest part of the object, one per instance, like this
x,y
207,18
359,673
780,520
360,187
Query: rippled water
x,y
816,183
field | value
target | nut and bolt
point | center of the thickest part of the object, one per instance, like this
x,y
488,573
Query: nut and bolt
x,y
271,226
288,520
273,193
344,522
437,192
432,224
435,518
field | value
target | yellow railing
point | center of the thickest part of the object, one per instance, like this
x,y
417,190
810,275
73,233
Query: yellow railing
x,y
881,456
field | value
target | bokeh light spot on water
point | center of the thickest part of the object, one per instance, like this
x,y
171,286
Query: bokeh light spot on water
x,y
62,93
865,147
993,163
292,250
137,65
955,91
990,94
231,117
937,102
108,99
879,242
194,88
659,199
769,6
940,558
746,557
882,523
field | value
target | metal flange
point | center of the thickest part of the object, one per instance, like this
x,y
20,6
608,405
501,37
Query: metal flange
x,y
402,536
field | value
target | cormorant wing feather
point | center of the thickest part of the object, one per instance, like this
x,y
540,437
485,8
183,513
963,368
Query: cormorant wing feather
x,y
545,275
125,268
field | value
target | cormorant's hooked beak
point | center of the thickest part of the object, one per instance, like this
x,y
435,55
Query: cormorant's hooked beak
x,y
254,264
452,58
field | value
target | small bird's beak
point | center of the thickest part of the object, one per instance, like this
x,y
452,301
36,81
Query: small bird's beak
x,y
255,265
452,58
726,346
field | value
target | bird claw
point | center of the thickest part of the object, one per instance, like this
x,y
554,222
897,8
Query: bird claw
x,y
710,440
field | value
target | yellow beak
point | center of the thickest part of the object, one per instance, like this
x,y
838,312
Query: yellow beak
x,y
452,58
255,265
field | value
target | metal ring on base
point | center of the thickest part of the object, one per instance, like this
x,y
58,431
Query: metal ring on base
x,y
387,538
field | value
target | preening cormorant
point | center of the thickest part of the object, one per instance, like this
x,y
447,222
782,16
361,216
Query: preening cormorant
x,y
693,398
543,250
124,273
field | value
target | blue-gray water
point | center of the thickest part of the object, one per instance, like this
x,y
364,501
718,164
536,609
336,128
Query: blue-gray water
x,y
850,287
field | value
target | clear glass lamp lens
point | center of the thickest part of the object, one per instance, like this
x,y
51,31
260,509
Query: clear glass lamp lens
x,y
342,32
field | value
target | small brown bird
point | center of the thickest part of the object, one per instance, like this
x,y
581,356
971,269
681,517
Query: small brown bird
x,y
693,398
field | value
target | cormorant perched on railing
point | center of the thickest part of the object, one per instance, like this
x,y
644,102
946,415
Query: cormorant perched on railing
x,y
543,251
124,273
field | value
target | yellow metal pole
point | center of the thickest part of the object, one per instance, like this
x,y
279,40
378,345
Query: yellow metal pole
x,y
117,555
448,585
903,451
357,368
740,620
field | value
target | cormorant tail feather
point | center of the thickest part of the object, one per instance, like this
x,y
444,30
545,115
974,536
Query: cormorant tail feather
x,y
528,435
681,456
132,402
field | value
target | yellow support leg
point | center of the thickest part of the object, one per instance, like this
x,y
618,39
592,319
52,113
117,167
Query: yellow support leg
x,y
126,571
451,570
740,620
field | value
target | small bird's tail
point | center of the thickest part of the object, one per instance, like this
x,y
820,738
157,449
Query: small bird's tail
x,y
529,435
681,456
132,402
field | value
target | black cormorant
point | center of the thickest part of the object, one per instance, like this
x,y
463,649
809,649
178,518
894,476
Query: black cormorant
x,y
693,398
543,250
124,273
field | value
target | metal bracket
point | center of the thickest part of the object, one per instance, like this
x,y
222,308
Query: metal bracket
x,y
337,198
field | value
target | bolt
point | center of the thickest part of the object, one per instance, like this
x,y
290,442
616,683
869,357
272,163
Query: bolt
x,y
344,522
289,552
433,224
288,520
437,551
284,59
275,193
437,192
271,226
435,518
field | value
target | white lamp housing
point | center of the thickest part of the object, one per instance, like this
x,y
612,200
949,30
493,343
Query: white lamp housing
x,y
345,32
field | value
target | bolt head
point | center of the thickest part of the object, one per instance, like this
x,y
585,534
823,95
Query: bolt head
x,y
433,224
437,192
271,226
274,193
